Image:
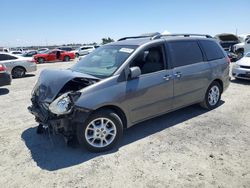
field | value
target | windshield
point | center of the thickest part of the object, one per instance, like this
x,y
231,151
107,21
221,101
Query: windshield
x,y
44,52
104,61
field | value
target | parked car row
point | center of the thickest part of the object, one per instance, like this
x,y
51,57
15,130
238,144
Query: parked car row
x,y
16,63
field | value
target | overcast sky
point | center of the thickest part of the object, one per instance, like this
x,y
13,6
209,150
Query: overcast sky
x,y
33,22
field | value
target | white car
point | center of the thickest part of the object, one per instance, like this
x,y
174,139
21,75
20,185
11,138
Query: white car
x,y
242,47
241,69
244,37
16,52
42,50
17,65
84,50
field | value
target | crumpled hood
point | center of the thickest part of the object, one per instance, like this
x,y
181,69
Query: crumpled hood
x,y
227,37
51,82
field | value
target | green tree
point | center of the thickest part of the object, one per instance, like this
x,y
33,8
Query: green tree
x,y
107,40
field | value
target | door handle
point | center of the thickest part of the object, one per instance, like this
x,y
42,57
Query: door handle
x,y
177,74
167,77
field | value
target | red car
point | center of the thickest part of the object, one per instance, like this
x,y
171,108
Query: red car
x,y
54,55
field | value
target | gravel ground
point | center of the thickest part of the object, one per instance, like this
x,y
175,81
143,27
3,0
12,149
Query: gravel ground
x,y
187,148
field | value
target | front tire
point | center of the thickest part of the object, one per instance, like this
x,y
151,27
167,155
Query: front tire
x,y
213,96
41,60
101,131
66,58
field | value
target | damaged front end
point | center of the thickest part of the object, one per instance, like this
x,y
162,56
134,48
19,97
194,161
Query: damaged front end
x,y
53,101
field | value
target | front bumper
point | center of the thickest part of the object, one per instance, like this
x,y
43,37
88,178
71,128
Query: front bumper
x,y
241,73
64,124
5,79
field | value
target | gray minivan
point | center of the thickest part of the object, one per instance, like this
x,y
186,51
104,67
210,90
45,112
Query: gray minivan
x,y
126,82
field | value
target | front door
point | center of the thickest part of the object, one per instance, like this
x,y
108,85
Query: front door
x,y
151,94
52,56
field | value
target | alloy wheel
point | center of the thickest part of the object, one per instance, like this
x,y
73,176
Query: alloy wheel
x,y
100,132
213,95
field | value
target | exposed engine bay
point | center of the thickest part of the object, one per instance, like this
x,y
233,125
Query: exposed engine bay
x,y
53,101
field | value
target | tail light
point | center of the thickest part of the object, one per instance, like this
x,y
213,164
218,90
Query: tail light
x,y
2,68
228,60
32,61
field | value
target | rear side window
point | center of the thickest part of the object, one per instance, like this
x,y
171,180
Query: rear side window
x,y
185,53
4,57
86,48
212,50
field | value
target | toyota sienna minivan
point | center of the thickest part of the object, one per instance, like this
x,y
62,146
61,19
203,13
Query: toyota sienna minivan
x,y
126,82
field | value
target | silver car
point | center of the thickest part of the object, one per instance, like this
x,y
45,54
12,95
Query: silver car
x,y
241,68
126,82
17,65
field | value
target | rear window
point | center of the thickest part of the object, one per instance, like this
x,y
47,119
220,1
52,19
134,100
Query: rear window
x,y
65,48
185,53
86,48
212,50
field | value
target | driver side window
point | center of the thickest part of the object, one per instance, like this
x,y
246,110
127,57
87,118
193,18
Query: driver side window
x,y
149,60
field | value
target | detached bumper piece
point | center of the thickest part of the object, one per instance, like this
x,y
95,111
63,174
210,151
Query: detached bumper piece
x,y
40,114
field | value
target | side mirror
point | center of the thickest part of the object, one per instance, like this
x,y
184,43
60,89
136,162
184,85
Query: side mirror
x,y
135,72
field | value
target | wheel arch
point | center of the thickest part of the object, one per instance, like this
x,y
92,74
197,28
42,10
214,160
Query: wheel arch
x,y
18,66
117,110
66,56
45,58
220,83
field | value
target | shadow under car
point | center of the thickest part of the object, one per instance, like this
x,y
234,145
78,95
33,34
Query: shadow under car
x,y
51,153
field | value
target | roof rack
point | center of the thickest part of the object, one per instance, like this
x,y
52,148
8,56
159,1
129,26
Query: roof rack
x,y
154,36
135,37
176,35
147,35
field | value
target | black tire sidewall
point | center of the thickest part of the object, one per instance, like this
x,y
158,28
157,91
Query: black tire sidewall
x,y
66,58
106,114
210,107
18,76
40,58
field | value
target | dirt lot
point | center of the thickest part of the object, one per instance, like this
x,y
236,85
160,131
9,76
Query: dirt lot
x,y
188,148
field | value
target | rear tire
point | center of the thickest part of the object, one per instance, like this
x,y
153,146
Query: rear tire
x,y
76,55
18,72
101,131
212,97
